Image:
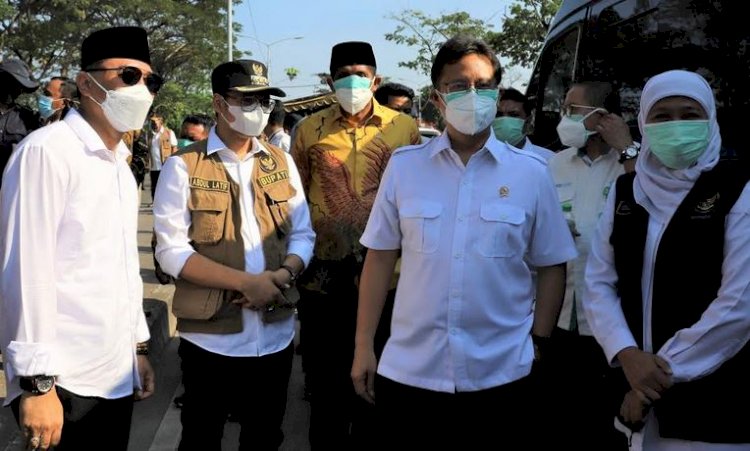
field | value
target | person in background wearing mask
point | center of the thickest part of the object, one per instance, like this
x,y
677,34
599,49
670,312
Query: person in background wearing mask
x,y
194,128
233,228
584,174
396,97
16,121
341,152
668,293
511,122
74,335
162,143
60,94
466,329
274,131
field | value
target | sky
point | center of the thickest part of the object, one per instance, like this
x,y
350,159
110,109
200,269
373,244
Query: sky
x,y
324,23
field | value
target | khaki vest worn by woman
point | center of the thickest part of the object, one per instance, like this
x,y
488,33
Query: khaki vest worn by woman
x,y
214,205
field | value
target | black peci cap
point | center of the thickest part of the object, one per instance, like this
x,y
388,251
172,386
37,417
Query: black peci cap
x,y
242,76
116,42
351,53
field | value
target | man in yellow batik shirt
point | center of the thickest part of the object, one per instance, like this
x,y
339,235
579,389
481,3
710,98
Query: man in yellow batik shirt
x,y
341,153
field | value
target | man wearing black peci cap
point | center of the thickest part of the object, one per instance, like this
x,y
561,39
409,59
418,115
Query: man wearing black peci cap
x,y
16,121
74,335
233,228
341,153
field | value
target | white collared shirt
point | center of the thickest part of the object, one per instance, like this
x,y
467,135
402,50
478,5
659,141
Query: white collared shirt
x,y
464,303
72,294
280,139
696,351
172,221
582,186
156,148
545,153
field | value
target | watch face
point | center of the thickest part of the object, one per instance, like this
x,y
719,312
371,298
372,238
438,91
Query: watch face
x,y
631,152
45,384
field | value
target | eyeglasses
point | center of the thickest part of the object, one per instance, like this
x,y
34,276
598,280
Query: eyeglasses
x,y
250,103
131,75
456,86
567,110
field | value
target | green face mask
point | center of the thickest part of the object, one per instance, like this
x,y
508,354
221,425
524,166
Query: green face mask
x,y
678,144
183,143
509,129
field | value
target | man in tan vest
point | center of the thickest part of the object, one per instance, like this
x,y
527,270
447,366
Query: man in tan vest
x,y
233,228
162,143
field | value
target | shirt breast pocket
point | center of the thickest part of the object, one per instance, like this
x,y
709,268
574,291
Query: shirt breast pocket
x,y
501,230
420,225
208,212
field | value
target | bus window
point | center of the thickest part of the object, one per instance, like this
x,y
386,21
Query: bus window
x,y
558,67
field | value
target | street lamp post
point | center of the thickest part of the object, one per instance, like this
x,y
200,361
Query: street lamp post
x,y
269,45
229,29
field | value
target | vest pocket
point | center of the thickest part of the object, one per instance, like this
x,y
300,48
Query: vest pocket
x,y
500,230
277,200
209,211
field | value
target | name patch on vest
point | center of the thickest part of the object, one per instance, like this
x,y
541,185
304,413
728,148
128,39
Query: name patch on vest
x,y
211,185
273,178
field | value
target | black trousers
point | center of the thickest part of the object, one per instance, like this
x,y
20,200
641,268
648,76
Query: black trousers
x,y
339,419
579,378
498,418
252,388
91,423
154,180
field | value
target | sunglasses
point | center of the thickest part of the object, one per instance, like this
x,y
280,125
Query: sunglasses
x,y
250,103
132,75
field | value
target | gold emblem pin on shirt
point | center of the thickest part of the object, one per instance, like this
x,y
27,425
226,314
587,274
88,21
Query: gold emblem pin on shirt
x,y
504,191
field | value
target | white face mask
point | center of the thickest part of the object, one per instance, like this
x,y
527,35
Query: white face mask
x,y
572,131
471,111
353,93
125,108
248,123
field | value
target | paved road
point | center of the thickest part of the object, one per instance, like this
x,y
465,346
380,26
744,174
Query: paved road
x,y
156,424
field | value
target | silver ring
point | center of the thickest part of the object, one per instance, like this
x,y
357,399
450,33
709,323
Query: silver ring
x,y
35,441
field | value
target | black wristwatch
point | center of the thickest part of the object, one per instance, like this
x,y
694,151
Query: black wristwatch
x,y
630,152
37,385
293,275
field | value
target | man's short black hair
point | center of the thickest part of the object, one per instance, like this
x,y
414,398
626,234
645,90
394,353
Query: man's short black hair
x,y
515,95
290,120
392,89
601,94
199,119
277,115
456,48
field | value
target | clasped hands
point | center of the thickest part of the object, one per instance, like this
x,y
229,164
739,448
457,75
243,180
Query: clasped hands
x,y
649,377
259,291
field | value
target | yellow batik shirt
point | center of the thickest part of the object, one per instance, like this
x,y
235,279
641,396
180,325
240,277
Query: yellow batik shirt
x,y
341,167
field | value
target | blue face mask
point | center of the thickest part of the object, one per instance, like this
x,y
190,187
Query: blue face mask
x,y
678,144
45,106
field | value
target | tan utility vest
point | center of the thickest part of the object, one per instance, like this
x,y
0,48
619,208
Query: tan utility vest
x,y
215,233
165,144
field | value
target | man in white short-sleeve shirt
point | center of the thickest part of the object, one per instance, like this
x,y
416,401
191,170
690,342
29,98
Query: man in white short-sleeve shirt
x,y
462,210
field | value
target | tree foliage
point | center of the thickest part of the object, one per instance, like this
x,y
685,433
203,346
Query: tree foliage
x,y
187,39
524,29
426,34
519,39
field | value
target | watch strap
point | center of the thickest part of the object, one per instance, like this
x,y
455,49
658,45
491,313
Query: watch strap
x,y
292,274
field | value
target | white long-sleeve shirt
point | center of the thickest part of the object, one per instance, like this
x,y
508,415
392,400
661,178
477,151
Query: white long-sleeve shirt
x,y
71,291
172,221
724,327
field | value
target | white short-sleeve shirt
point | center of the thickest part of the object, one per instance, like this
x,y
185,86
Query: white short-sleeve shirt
x,y
464,304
